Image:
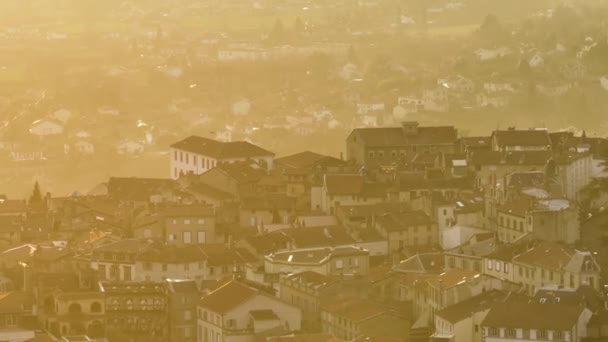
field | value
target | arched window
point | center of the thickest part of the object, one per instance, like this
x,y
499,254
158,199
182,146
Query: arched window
x,y
95,307
74,308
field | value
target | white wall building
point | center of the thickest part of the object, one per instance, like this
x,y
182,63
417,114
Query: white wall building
x,y
198,155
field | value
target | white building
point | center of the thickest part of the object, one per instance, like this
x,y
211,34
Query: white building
x,y
198,155
236,312
46,127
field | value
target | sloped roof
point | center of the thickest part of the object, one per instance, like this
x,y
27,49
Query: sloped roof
x,y
522,138
396,136
482,157
314,255
12,206
547,255
228,297
13,302
404,220
220,150
533,316
186,211
172,254
421,263
344,184
459,311
211,191
306,160
354,309
137,189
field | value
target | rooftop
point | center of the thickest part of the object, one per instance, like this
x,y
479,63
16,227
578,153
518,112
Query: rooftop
x,y
228,297
220,150
533,316
314,255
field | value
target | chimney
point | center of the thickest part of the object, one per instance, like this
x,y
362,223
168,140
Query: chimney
x,y
410,127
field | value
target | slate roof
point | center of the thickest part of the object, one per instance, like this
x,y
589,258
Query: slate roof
x,y
220,150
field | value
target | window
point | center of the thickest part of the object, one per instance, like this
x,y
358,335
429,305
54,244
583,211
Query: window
x,y
186,267
558,336
181,156
147,266
201,221
476,327
493,332
147,233
187,158
541,334
127,273
339,264
380,154
498,266
506,268
489,264
370,154
521,226
171,237
186,221
165,267
187,237
95,307
187,332
174,155
187,315
510,332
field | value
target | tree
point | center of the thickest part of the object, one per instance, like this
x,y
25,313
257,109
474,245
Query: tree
x,y
36,202
299,27
36,196
277,35
491,29
352,55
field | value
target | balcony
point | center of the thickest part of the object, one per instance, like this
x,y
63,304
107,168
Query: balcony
x,y
238,332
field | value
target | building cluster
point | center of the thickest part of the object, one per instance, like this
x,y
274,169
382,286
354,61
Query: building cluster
x,y
417,234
